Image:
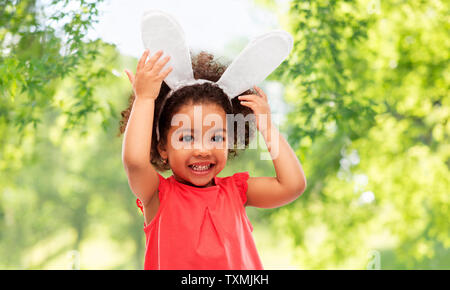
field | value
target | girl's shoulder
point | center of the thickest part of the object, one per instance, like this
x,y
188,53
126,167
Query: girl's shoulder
x,y
164,185
238,178
237,182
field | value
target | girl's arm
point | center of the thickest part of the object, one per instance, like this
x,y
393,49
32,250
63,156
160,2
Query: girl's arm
x,y
142,177
290,183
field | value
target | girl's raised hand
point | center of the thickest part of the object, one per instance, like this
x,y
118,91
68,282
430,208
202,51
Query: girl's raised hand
x,y
260,107
148,79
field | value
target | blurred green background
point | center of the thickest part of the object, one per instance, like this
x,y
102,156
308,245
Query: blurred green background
x,y
367,92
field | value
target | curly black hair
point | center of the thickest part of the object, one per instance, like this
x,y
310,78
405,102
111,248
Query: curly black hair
x,y
204,67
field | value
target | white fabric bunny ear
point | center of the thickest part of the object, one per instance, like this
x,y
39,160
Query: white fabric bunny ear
x,y
257,61
160,31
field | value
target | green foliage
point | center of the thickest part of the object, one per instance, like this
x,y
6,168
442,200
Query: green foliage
x,y
37,51
59,94
368,83
66,187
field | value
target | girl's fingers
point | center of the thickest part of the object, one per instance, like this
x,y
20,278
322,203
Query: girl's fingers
x,y
260,92
165,73
151,62
247,97
160,64
130,76
251,98
143,59
247,104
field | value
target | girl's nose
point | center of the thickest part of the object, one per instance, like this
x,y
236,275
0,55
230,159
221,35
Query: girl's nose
x,y
202,149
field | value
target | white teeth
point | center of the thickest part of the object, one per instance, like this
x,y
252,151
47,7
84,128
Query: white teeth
x,y
200,168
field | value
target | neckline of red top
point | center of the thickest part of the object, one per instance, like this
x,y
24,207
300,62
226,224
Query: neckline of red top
x,y
190,187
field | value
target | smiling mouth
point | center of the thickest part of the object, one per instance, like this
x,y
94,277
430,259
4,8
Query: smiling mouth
x,y
201,168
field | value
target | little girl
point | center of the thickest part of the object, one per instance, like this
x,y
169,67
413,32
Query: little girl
x,y
194,219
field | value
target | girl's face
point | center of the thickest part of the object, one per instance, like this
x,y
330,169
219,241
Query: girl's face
x,y
196,144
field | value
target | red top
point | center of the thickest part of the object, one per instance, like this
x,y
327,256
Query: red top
x,y
201,228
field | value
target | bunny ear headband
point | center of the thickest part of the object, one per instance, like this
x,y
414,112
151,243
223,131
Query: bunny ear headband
x,y
261,56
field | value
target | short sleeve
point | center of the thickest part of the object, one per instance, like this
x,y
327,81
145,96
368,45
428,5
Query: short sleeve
x,y
240,180
162,188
